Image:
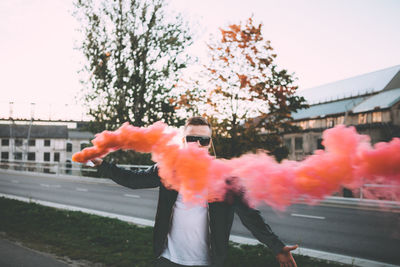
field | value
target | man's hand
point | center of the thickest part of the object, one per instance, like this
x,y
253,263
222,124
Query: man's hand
x,y
285,258
97,161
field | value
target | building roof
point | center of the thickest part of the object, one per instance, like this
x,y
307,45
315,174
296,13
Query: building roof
x,y
80,135
37,131
382,100
322,110
368,83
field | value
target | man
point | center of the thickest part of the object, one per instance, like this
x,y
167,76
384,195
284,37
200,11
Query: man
x,y
195,235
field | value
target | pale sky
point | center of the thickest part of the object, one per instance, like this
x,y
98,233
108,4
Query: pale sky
x,y
320,41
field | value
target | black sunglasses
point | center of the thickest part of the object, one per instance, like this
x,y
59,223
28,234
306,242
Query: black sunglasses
x,y
203,140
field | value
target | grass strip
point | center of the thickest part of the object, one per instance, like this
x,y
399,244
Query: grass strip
x,y
111,242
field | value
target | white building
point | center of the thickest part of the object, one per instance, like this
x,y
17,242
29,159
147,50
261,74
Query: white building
x,y
53,144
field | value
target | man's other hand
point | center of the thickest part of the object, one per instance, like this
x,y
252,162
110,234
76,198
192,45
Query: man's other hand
x,y
285,258
97,161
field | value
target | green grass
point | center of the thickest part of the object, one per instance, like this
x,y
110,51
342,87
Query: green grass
x,y
81,236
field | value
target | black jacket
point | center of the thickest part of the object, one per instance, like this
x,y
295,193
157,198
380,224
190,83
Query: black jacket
x,y
221,213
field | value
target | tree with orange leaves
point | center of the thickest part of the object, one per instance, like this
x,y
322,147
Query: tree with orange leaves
x,y
247,94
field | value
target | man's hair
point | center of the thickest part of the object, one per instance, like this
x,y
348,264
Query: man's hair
x,y
197,121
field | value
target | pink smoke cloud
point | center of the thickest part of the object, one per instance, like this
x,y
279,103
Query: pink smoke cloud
x,y
347,161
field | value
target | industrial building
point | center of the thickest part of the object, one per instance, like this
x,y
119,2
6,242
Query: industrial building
x,y
369,102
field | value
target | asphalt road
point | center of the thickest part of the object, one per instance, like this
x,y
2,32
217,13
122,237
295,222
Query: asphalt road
x,y
365,233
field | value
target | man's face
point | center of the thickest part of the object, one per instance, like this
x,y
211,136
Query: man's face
x,y
193,131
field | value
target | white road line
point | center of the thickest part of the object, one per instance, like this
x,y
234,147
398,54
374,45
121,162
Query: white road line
x,y
308,216
15,181
81,189
133,196
51,185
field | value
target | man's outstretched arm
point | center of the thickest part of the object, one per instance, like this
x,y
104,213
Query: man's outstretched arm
x,y
136,179
252,220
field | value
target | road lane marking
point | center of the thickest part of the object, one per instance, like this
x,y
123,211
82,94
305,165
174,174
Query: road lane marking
x,y
15,181
307,216
133,196
81,189
50,185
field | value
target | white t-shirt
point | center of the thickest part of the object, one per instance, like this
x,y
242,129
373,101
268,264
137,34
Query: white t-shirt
x,y
188,242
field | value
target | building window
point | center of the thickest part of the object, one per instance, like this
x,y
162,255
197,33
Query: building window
x,y
4,155
298,143
330,122
362,118
68,166
32,156
340,120
56,156
32,142
319,144
18,155
377,116
83,145
288,144
18,142
46,156
5,142
311,123
69,147
47,142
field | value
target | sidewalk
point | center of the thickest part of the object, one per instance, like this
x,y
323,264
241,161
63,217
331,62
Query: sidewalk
x,y
13,254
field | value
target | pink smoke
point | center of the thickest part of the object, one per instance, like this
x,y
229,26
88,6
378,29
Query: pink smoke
x,y
347,161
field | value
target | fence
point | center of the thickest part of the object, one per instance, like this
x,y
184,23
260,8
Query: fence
x,y
57,168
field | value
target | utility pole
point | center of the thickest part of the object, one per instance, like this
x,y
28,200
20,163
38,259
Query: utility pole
x,y
11,141
11,110
25,156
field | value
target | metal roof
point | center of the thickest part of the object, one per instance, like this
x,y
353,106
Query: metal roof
x,y
382,100
321,110
37,131
80,135
352,87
